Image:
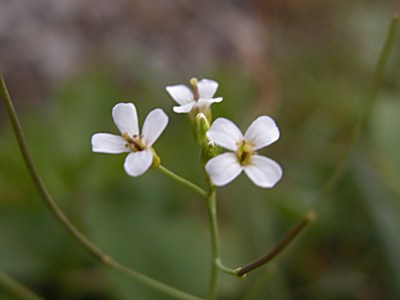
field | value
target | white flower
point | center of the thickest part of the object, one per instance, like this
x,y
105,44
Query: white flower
x,y
125,118
263,171
198,100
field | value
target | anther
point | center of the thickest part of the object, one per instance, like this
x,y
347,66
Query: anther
x,y
133,142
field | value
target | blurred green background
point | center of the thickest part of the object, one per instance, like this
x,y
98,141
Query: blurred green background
x,y
306,63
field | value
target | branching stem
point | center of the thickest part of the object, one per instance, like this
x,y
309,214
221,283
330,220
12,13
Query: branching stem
x,y
104,258
282,244
182,181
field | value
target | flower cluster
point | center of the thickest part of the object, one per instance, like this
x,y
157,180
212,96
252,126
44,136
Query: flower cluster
x,y
222,168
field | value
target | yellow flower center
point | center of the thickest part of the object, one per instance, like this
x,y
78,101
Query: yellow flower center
x,y
244,152
135,143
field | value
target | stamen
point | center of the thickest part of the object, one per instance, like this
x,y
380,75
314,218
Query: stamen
x,y
134,143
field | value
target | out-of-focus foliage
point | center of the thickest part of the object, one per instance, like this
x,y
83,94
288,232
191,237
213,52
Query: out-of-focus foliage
x,y
308,65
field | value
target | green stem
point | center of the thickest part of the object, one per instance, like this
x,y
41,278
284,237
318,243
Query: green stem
x,y
282,244
380,68
215,245
183,181
166,289
104,258
216,263
16,290
369,101
225,269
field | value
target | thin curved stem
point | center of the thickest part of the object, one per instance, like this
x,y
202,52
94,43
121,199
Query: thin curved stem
x,y
183,181
282,244
15,289
369,101
224,268
104,258
157,285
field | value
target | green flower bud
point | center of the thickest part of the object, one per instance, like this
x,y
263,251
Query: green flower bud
x,y
200,127
209,150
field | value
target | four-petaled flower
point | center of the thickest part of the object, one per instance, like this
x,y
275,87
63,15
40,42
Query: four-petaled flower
x,y
198,100
139,145
263,171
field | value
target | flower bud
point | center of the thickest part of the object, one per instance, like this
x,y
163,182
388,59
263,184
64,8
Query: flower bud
x,y
209,150
200,127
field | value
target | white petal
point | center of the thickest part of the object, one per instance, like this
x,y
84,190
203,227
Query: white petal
x,y
223,168
225,133
205,103
180,93
109,143
263,171
183,109
153,126
207,88
136,163
125,118
262,132
213,100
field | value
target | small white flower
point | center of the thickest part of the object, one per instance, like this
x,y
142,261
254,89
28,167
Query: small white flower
x,y
125,118
199,99
262,171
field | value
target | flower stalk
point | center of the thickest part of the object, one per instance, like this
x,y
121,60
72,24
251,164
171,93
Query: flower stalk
x,y
376,80
215,243
182,181
282,244
216,262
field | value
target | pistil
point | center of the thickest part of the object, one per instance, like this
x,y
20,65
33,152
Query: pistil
x,y
244,153
193,83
